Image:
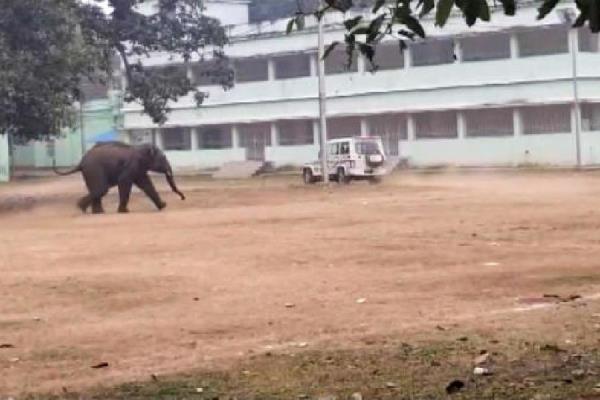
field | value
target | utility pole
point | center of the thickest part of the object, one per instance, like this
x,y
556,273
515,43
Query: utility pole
x,y
567,16
574,48
322,99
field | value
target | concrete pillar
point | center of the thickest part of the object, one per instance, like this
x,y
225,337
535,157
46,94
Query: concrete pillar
x,y
158,138
514,45
458,51
194,137
361,64
364,126
411,128
235,137
271,69
190,73
517,122
573,39
461,124
316,132
274,134
313,64
407,57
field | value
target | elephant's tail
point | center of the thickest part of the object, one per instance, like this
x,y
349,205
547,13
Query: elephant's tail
x,y
69,172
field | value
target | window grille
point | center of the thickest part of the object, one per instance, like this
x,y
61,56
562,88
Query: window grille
x,y
543,41
176,139
489,122
546,119
433,52
294,133
486,47
436,125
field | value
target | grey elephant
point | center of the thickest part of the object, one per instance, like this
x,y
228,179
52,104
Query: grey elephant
x,y
119,164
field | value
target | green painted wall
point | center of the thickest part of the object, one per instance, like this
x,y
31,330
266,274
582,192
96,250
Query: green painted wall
x,y
4,164
98,117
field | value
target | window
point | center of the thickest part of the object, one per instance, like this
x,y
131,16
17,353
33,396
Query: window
x,y
489,122
344,148
343,127
214,137
391,128
436,125
176,139
252,135
336,61
367,148
251,70
294,133
486,47
211,72
543,41
590,117
546,119
389,56
588,41
334,149
141,136
292,66
434,52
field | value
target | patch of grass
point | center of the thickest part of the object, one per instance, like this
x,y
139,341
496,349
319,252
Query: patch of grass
x,y
521,370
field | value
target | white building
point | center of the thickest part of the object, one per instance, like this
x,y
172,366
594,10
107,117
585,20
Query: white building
x,y
500,93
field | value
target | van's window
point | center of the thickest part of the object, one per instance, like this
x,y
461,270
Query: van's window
x,y
367,148
344,148
333,148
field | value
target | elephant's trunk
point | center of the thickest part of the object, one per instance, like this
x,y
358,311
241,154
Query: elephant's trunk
x,y
171,180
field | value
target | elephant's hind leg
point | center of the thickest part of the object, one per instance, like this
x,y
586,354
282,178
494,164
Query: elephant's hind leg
x,y
97,206
84,203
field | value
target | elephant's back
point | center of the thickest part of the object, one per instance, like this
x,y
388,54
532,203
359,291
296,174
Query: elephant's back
x,y
110,157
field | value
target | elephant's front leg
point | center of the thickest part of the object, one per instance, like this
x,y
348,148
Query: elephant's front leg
x,y
145,184
124,193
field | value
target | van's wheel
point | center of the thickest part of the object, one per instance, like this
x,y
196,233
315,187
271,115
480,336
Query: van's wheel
x,y
308,177
342,178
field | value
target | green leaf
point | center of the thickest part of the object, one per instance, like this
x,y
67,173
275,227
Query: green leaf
x,y
351,23
428,5
444,7
375,27
378,5
484,11
290,26
546,7
594,16
509,7
414,25
330,48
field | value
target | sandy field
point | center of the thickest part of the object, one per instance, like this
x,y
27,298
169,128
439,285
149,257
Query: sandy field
x,y
246,267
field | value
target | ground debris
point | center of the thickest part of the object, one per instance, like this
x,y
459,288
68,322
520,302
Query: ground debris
x,y
480,371
482,359
455,386
562,299
7,346
100,365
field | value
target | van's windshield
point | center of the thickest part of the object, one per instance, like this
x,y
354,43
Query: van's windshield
x,y
367,148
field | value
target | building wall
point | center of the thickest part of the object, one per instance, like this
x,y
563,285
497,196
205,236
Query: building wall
x,y
511,81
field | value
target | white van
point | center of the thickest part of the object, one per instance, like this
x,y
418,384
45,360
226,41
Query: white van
x,y
358,158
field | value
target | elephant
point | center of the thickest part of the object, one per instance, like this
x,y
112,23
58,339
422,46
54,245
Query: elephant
x,y
109,164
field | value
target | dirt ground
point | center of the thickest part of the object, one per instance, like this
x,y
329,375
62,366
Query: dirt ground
x,y
242,268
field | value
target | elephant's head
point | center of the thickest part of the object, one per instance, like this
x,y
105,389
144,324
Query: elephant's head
x,y
157,162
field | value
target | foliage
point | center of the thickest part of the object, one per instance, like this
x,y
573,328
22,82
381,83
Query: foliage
x,y
48,48
401,19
